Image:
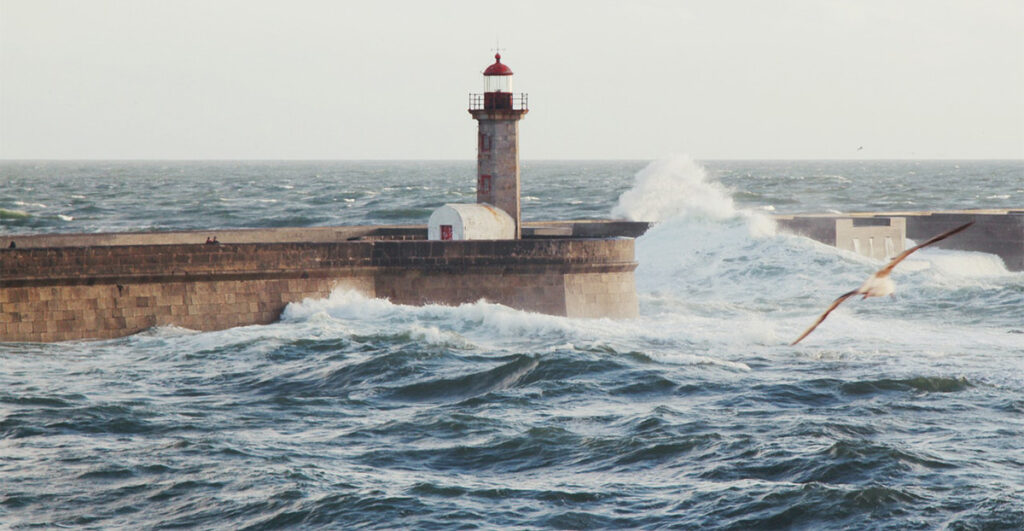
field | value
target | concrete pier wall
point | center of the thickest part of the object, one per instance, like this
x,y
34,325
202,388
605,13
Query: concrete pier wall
x,y
998,232
531,229
59,293
272,235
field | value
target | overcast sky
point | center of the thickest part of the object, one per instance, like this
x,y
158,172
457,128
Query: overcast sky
x,y
323,79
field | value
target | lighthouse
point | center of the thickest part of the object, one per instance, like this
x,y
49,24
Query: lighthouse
x,y
497,112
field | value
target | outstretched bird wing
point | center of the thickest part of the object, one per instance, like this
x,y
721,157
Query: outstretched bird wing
x,y
888,268
835,303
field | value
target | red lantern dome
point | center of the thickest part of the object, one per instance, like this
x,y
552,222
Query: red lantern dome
x,y
498,69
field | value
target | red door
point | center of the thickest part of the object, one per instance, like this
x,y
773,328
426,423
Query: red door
x,y
446,232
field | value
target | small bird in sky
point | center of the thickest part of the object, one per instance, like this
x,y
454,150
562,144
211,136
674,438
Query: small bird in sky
x,y
879,284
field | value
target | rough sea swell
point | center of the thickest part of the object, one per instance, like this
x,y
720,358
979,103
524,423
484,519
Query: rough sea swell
x,y
906,412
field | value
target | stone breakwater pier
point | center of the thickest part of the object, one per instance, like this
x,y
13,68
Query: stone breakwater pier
x,y
56,287
89,286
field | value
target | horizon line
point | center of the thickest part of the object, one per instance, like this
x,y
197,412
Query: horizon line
x,y
722,159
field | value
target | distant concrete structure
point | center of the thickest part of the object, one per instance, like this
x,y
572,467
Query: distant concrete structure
x,y
480,221
995,231
497,112
878,238
875,237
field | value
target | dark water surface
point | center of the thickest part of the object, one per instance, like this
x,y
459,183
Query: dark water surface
x,y
906,413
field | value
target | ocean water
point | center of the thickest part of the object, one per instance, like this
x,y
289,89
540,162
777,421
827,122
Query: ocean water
x,y
898,413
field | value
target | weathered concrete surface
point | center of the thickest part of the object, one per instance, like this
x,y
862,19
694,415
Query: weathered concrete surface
x,y
270,235
99,291
598,228
538,229
999,232
878,238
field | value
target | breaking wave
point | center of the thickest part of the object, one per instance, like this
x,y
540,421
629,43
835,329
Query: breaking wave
x,y
674,187
678,188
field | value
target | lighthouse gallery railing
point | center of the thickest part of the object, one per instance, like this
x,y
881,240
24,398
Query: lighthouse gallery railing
x,y
498,101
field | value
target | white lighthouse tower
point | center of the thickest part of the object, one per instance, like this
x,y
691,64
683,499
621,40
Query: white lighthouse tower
x,y
498,111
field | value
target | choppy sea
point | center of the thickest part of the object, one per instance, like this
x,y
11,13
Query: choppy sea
x,y
897,413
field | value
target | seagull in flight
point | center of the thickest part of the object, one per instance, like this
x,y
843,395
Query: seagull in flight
x,y
879,284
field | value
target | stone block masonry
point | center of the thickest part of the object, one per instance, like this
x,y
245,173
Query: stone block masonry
x,y
65,293
64,312
500,161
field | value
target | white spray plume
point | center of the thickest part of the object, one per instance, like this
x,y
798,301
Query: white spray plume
x,y
676,187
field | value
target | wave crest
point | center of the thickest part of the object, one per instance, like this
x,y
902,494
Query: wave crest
x,y
678,188
674,187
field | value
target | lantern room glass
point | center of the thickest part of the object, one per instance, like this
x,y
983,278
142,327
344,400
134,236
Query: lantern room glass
x,y
497,83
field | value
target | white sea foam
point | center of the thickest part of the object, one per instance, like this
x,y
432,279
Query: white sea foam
x,y
428,334
341,304
483,320
498,328
690,359
967,264
721,260
757,329
165,331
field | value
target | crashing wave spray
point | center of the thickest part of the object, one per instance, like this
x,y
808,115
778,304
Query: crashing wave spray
x,y
674,187
706,264
677,187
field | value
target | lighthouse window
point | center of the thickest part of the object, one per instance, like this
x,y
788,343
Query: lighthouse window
x,y
485,142
484,184
497,83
